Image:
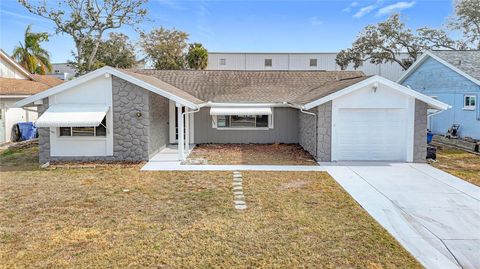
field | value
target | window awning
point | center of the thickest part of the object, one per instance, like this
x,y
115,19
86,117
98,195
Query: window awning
x,y
72,115
241,111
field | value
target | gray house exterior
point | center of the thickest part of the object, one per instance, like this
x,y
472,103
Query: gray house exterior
x,y
143,111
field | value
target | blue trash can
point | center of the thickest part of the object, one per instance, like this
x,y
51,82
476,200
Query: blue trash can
x,y
429,137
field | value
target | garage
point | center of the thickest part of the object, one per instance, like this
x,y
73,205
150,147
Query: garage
x,y
373,123
371,134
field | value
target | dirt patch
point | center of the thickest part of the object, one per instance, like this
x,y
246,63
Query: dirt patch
x,y
250,154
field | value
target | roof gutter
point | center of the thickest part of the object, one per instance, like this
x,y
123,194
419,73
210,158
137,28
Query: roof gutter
x,y
213,104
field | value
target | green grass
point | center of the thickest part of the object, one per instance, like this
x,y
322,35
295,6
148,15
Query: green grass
x,y
117,216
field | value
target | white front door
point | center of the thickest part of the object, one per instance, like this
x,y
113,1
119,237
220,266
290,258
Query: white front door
x,y
370,134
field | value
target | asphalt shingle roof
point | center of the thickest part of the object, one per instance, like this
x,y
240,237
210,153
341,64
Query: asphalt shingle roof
x,y
298,87
466,60
11,86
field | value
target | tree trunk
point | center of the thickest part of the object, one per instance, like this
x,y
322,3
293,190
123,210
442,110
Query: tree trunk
x,y
92,56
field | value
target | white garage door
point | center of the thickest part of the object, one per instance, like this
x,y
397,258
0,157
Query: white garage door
x,y
370,134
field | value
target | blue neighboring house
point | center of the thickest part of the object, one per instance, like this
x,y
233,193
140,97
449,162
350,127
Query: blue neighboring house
x,y
452,77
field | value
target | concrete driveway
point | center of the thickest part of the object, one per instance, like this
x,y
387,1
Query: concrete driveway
x,y
433,214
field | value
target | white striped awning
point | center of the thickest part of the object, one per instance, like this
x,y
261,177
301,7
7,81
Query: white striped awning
x,y
72,115
241,111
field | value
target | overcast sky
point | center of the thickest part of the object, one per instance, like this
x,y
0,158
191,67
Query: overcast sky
x,y
252,26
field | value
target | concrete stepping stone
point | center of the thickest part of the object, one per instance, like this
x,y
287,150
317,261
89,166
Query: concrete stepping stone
x,y
239,197
240,207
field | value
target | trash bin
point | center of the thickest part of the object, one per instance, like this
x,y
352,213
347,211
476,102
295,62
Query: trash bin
x,y
27,130
429,137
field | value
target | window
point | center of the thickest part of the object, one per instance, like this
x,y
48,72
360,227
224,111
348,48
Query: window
x,y
242,121
313,62
469,102
100,130
268,62
223,61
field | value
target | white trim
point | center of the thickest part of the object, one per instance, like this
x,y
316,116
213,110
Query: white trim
x,y
422,59
13,96
211,104
100,72
241,111
16,65
432,102
181,149
470,108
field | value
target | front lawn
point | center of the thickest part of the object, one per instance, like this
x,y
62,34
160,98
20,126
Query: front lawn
x,y
250,154
459,163
117,216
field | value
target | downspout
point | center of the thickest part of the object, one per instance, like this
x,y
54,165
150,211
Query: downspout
x,y
301,108
190,112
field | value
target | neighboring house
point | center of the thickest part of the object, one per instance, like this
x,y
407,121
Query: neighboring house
x,y
452,77
17,83
119,115
63,71
295,61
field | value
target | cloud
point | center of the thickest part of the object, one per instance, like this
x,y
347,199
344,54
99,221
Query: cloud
x,y
349,8
315,21
394,8
364,11
22,16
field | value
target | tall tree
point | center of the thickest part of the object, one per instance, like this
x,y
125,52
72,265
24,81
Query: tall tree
x,y
388,41
197,56
31,55
382,43
467,20
117,51
165,48
86,20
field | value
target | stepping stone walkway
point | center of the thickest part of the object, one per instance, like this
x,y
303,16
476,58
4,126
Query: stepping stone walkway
x,y
239,197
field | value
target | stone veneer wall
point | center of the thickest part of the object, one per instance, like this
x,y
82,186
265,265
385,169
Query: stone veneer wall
x,y
316,138
159,132
132,134
307,131
43,136
324,135
420,133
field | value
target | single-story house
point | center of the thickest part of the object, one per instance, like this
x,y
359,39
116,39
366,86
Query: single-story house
x,y
452,77
130,115
17,83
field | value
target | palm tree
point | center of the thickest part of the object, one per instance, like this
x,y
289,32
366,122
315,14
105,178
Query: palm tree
x,y
31,55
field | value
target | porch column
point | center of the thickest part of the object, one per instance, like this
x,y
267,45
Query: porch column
x,y
181,153
187,131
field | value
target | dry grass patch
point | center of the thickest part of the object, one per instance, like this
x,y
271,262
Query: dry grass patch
x,y
460,163
121,217
251,154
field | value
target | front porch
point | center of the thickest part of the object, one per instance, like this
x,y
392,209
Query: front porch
x,y
171,154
